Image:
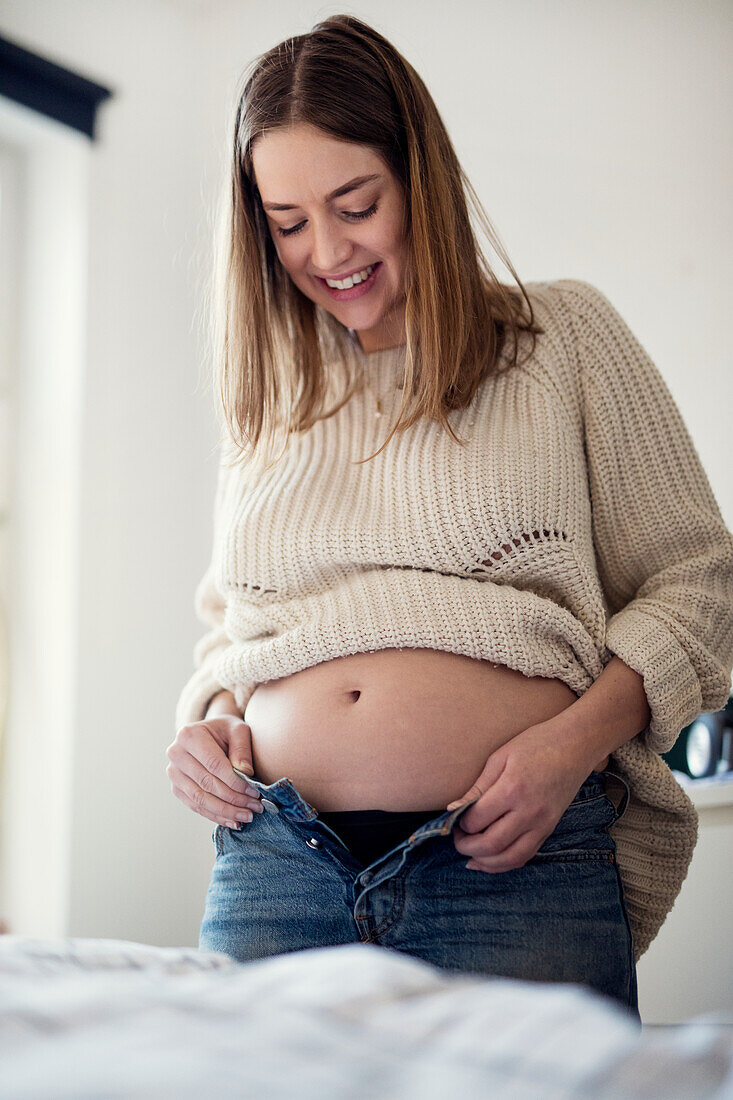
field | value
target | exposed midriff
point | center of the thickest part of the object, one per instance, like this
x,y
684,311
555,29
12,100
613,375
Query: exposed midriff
x,y
393,729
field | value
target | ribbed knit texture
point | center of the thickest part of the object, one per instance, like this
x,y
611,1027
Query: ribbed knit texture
x,y
576,523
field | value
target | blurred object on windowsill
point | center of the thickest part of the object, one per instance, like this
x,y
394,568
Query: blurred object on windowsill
x,y
704,749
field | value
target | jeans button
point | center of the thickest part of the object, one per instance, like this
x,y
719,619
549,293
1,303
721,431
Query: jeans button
x,y
313,842
269,806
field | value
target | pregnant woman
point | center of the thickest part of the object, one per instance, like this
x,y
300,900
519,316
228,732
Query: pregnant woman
x,y
469,579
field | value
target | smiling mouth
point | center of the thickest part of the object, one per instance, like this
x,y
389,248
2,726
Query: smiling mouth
x,y
352,289
359,275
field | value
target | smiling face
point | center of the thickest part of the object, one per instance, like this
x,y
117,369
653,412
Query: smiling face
x,y
319,234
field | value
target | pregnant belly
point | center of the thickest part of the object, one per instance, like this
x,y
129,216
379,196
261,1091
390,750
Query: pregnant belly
x,y
396,729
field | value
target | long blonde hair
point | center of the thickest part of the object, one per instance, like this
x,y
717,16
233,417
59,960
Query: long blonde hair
x,y
274,349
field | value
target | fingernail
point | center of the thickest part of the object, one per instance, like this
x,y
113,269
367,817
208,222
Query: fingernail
x,y
245,815
453,805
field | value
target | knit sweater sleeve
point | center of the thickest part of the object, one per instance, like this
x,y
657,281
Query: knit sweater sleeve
x,y
209,605
664,554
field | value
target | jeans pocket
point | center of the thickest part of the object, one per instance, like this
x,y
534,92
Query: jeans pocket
x,y
621,787
582,832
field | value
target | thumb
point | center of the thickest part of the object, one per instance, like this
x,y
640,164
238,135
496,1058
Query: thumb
x,y
473,792
240,749
491,772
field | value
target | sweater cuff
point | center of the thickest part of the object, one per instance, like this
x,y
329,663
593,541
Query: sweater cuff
x,y
671,685
199,691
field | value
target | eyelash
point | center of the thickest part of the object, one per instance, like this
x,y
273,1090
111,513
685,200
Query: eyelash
x,y
358,215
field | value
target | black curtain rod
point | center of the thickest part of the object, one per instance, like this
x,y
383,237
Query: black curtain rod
x,y
48,88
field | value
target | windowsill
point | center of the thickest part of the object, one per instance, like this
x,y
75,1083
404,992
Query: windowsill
x,y
714,790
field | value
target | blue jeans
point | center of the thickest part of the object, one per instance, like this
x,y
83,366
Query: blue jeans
x,y
285,881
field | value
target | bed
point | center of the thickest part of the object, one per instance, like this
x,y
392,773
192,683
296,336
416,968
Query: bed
x,y
100,1018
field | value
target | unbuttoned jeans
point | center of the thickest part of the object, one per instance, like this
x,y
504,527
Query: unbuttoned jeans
x,y
286,882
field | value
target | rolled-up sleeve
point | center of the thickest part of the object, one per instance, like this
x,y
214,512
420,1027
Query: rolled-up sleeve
x,y
663,553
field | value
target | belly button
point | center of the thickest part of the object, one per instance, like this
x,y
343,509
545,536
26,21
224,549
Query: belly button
x,y
354,696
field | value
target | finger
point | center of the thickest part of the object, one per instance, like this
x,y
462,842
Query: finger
x,y
492,806
188,765
469,844
213,758
207,805
492,771
515,856
240,749
203,799
494,840
472,793
211,784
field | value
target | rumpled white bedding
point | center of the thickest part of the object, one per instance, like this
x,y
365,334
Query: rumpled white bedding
x,y
95,1018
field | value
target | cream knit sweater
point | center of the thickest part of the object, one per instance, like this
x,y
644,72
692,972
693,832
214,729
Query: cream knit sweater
x,y
576,523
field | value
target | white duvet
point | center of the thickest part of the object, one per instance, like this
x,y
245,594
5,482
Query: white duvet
x,y
95,1018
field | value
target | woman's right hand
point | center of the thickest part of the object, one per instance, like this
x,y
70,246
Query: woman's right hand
x,y
201,773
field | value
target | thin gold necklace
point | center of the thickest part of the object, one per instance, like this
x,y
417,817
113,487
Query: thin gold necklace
x,y
377,399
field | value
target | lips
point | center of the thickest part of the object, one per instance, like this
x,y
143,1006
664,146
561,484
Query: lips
x,y
356,291
347,274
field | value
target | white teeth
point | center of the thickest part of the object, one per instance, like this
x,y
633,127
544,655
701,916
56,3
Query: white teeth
x,y
351,280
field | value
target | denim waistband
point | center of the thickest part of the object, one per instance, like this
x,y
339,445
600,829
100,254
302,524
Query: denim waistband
x,y
283,797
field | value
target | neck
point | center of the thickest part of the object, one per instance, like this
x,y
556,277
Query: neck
x,y
387,338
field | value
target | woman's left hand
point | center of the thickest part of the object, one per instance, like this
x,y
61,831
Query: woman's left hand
x,y
523,791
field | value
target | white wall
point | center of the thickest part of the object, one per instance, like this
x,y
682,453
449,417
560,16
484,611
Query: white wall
x,y
599,139
688,969
44,380
138,859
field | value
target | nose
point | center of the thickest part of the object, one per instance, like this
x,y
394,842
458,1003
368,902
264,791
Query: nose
x,y
331,249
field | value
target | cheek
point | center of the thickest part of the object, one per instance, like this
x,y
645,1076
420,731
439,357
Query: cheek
x,y
286,248
289,259
279,253
393,245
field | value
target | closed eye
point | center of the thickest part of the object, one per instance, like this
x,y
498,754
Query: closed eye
x,y
356,215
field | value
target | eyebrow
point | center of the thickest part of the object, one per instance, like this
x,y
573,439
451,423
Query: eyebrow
x,y
344,189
